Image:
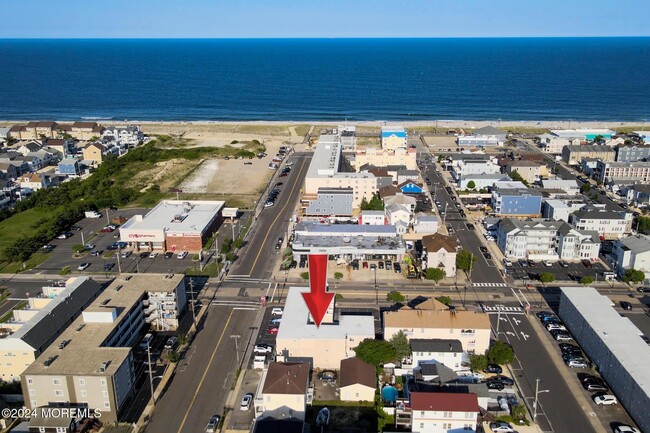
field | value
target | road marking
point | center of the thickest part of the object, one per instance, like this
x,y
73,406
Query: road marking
x,y
205,373
276,219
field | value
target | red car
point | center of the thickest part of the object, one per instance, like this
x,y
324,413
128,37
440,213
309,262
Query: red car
x,y
272,331
365,265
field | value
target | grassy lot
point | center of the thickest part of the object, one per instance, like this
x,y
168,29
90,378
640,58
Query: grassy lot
x,y
524,129
209,270
263,129
23,223
628,129
301,130
15,267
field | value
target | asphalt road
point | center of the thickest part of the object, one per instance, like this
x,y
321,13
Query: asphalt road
x,y
259,254
205,375
558,409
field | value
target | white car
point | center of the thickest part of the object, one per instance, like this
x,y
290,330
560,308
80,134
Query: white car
x,y
246,402
501,427
83,266
263,348
507,262
624,428
269,204
606,399
547,263
153,255
182,255
577,363
555,326
277,311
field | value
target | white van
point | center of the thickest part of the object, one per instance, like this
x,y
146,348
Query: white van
x,y
146,341
182,255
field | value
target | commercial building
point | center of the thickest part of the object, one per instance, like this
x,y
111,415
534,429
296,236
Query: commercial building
x,y
481,181
472,166
329,202
91,362
488,136
632,252
560,209
613,344
385,157
45,318
632,153
545,240
434,320
606,172
350,241
299,339
393,137
440,412
609,224
439,251
326,171
174,225
569,187
437,351
283,392
572,155
357,380
516,201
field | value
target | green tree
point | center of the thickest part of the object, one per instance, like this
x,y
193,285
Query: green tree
x,y
514,174
435,274
375,352
444,299
304,275
477,362
585,188
401,346
395,296
471,184
599,139
633,276
500,353
643,224
338,276
465,260
546,277
586,280
78,248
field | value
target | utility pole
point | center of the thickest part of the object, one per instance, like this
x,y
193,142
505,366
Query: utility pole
x,y
498,321
153,400
108,220
236,337
232,225
193,301
119,264
216,251
376,287
82,238
537,393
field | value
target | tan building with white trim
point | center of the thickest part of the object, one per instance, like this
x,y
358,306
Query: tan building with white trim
x,y
284,391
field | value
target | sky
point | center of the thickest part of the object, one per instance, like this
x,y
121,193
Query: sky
x,y
321,18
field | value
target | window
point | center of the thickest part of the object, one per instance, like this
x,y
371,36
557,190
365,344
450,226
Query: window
x,y
421,425
104,393
422,414
103,382
107,405
41,429
56,381
32,392
84,393
58,393
82,382
60,430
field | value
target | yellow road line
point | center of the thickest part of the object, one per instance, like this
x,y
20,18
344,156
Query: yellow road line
x,y
205,373
250,272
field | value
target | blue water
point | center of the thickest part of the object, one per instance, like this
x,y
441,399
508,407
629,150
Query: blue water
x,y
326,79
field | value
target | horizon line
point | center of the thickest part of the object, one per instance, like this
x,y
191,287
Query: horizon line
x,y
322,37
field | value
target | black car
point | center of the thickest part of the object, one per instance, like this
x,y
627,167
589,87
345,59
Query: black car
x,y
493,368
483,249
470,226
542,314
293,264
111,247
568,347
487,256
168,255
594,386
505,380
626,305
75,228
644,289
144,255
108,266
301,264
397,268
495,384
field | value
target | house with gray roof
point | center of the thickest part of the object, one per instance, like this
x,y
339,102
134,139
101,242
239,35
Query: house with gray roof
x,y
632,252
483,137
610,224
437,351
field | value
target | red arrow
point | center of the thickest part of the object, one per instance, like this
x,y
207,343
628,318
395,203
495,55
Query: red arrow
x,y
318,299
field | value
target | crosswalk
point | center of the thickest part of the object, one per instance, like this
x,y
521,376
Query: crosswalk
x,y
502,308
489,285
244,279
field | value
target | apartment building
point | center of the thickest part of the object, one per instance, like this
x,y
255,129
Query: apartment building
x,y
554,141
440,412
84,130
606,172
569,187
35,327
447,352
632,153
432,319
385,157
572,155
393,137
470,166
91,362
545,240
560,209
440,252
325,171
608,224
530,171
34,130
516,201
481,181
632,252
129,135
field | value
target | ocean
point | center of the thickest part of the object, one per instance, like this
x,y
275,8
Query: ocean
x,y
326,79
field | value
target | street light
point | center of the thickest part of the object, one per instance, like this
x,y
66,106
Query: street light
x,y
236,338
537,393
374,271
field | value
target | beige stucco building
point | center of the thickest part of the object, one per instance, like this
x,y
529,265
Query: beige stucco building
x,y
335,339
393,137
440,251
325,172
385,157
357,380
433,319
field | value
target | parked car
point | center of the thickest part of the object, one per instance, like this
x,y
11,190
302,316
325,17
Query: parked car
x,y
561,336
168,254
96,253
380,265
470,226
389,265
214,419
487,256
507,263
495,384
64,235
83,266
75,228
624,428
605,399
542,314
272,331
246,402
181,255
587,263
547,263
263,348
365,265
626,305
594,386
293,264
397,268
483,249
505,380
563,264
523,263
644,289
108,266
153,255
171,343
493,368
276,321
277,311
576,363
501,427
144,255
125,254
555,326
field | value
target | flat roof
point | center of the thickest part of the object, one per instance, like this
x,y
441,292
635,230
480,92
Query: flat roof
x,y
327,160
295,322
176,216
432,314
620,335
84,352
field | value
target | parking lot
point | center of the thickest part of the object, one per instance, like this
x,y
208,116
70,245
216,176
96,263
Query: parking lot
x,y
573,271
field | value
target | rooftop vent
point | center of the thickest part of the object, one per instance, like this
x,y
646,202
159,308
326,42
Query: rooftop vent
x,y
118,287
80,327
106,301
128,278
49,361
63,344
179,218
104,366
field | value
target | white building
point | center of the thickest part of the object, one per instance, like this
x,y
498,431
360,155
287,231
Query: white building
x,y
425,224
470,167
397,212
440,252
481,181
560,210
437,351
128,135
570,187
632,252
613,343
608,224
299,338
439,412
405,200
372,218
554,141
488,136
